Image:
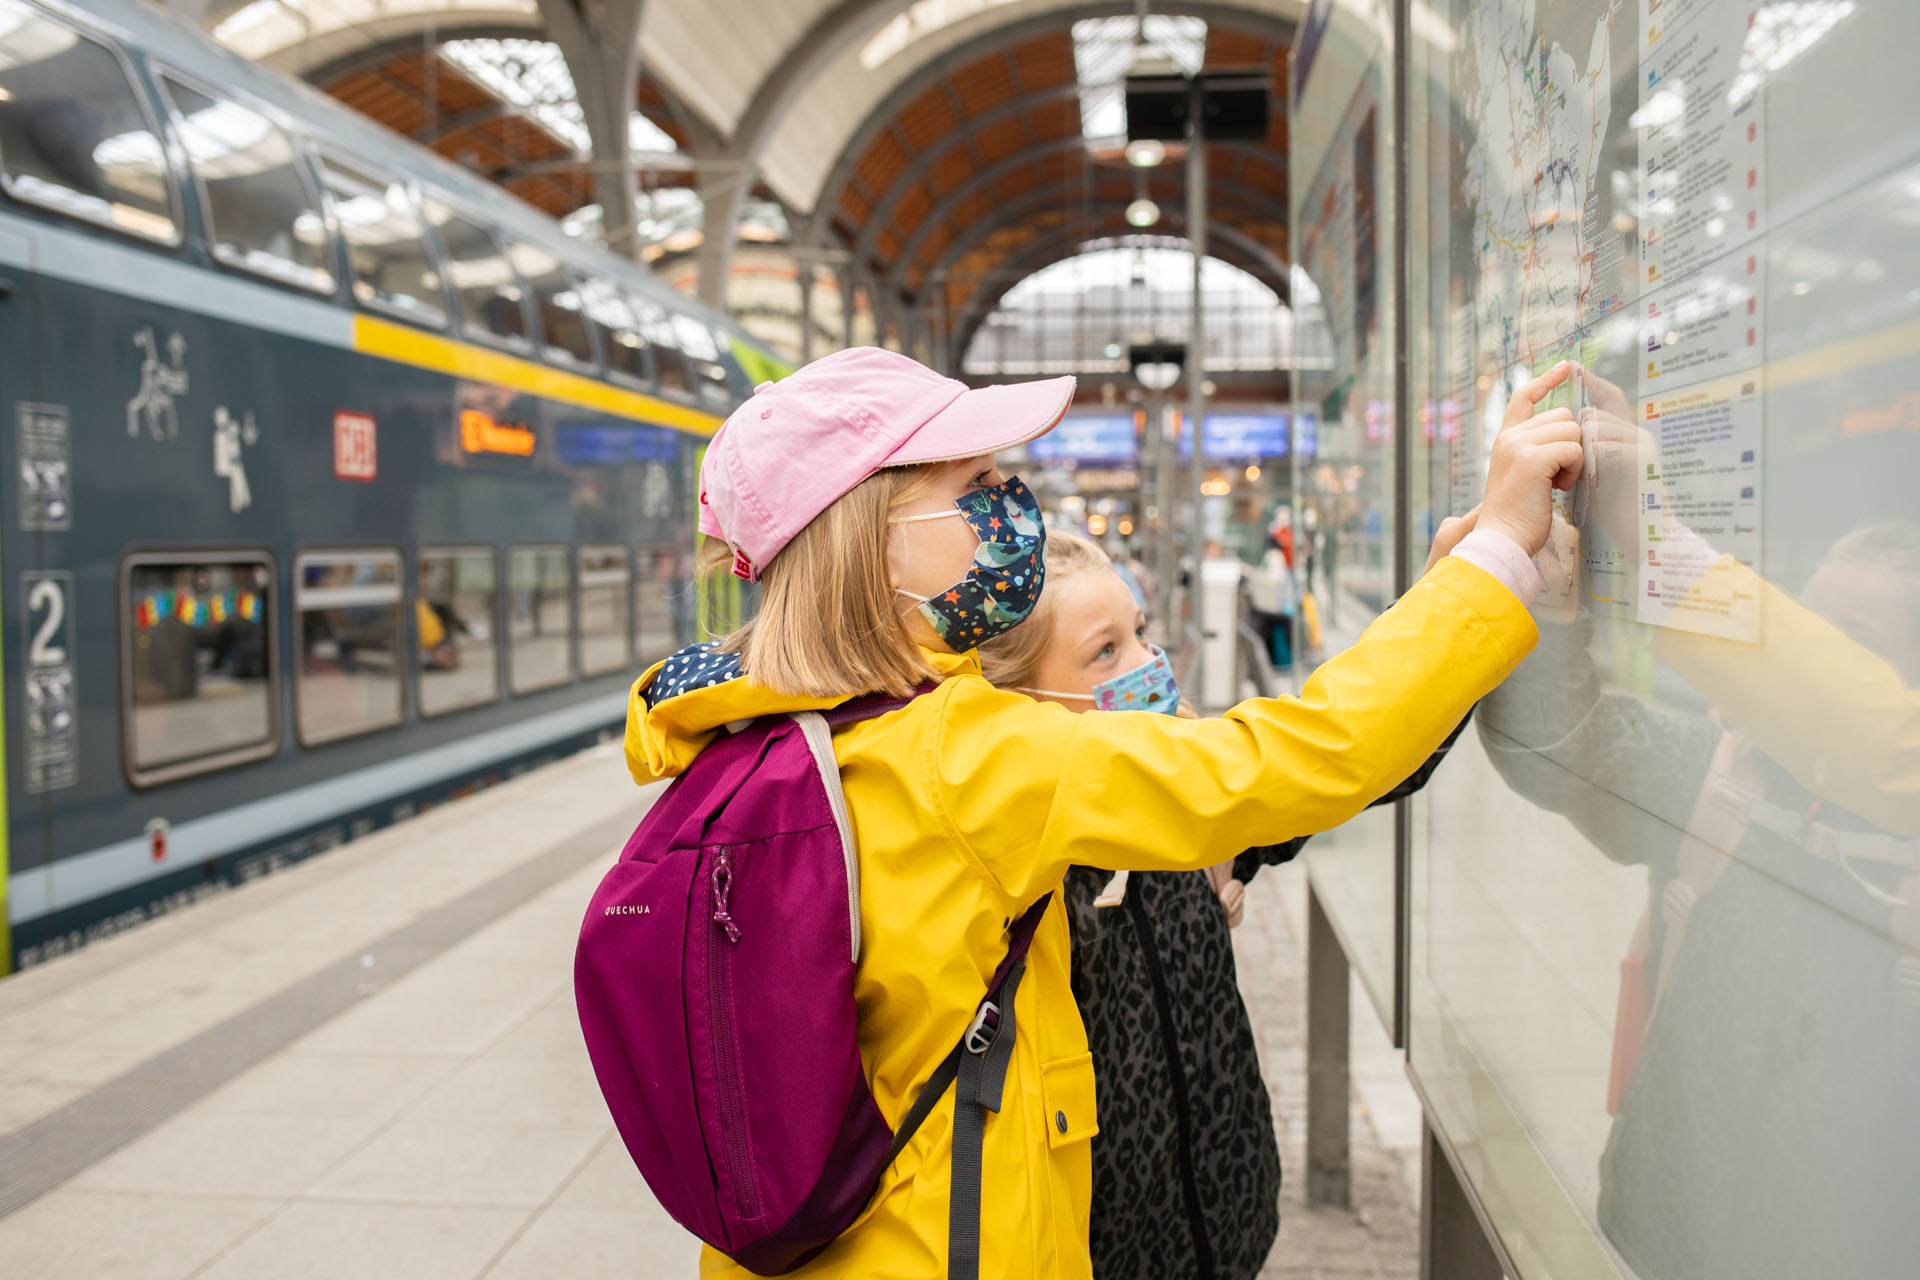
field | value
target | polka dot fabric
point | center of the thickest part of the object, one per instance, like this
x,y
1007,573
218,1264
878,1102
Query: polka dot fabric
x,y
694,667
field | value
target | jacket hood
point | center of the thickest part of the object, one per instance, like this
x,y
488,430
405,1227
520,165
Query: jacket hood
x,y
677,706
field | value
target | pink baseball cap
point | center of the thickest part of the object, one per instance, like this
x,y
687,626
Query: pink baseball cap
x,y
800,444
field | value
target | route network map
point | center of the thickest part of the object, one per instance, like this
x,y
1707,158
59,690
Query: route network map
x,y
1616,179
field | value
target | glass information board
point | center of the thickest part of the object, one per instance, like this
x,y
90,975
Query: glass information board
x,y
1342,147
1664,907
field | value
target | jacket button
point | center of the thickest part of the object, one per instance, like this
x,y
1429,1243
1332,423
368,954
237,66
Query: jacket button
x,y
1060,1120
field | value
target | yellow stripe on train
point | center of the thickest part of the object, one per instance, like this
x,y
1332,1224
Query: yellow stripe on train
x,y
403,345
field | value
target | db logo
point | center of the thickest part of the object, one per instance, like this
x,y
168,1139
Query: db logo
x,y
353,447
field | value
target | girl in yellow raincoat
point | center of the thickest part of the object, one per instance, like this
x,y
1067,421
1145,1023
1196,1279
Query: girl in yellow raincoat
x,y
862,493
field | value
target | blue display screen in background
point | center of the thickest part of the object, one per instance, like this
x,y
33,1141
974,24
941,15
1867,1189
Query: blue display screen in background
x,y
1233,437
1104,437
1306,435
603,444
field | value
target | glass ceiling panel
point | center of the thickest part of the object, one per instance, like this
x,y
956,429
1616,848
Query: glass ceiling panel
x,y
1104,50
1080,314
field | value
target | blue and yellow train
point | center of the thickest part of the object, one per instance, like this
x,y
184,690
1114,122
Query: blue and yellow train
x,y
342,481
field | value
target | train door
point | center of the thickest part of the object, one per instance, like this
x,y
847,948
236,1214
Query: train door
x,y
36,498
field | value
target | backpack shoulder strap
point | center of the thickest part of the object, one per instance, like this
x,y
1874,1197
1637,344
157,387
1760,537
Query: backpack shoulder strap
x,y
817,728
983,1033
814,728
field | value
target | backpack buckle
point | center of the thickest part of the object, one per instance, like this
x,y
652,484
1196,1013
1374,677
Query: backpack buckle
x,y
985,1028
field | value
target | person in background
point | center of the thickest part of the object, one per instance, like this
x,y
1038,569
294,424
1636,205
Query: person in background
x,y
1186,1166
1280,532
1309,545
1273,591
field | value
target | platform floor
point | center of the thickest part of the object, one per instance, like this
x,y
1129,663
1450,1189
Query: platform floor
x,y
368,1065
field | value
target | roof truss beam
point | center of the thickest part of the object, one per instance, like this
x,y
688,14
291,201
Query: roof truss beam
x,y
1250,198
883,209
841,27
1276,30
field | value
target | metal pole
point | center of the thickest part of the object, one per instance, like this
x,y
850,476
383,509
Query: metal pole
x,y
1197,369
845,274
805,281
944,361
1454,1243
1329,1084
1168,486
1402,550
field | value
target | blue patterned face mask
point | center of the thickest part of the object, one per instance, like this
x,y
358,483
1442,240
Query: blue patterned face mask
x,y
1003,582
1148,687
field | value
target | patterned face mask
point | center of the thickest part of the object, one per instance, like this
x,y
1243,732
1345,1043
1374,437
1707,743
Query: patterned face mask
x,y
1148,687
1003,582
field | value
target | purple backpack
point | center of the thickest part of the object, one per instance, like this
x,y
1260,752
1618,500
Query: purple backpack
x,y
714,980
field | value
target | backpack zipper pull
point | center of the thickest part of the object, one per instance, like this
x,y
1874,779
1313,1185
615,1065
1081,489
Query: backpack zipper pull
x,y
722,883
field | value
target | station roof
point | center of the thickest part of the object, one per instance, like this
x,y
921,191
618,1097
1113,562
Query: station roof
x,y
942,142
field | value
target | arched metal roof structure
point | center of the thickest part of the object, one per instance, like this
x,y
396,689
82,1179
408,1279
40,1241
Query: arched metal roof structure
x,y
405,86
929,148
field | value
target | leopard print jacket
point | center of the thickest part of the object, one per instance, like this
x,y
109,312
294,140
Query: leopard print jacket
x,y
1186,1167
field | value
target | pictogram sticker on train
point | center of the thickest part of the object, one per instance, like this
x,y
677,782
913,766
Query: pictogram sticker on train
x,y
51,729
42,434
354,446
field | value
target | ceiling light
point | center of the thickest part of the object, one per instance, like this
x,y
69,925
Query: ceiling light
x,y
1157,375
1143,213
1144,153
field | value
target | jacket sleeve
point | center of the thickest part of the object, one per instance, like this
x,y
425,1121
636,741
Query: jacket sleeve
x,y
1247,864
1031,789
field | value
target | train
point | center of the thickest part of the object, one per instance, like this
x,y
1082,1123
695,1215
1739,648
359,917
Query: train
x,y
343,483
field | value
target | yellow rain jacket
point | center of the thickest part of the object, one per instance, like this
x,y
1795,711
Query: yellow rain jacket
x,y
971,802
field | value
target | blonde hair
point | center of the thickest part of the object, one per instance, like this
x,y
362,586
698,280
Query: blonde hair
x,y
829,623
1010,660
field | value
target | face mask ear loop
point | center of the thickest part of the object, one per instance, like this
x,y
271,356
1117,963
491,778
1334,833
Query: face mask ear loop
x,y
936,515
1049,693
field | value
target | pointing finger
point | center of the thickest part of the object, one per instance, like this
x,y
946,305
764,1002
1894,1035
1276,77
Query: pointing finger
x,y
1529,394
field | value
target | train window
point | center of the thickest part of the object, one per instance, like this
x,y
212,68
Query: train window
x,y
659,596
619,329
197,663
74,133
539,623
556,295
703,356
260,214
606,610
346,605
454,615
482,274
387,252
669,364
